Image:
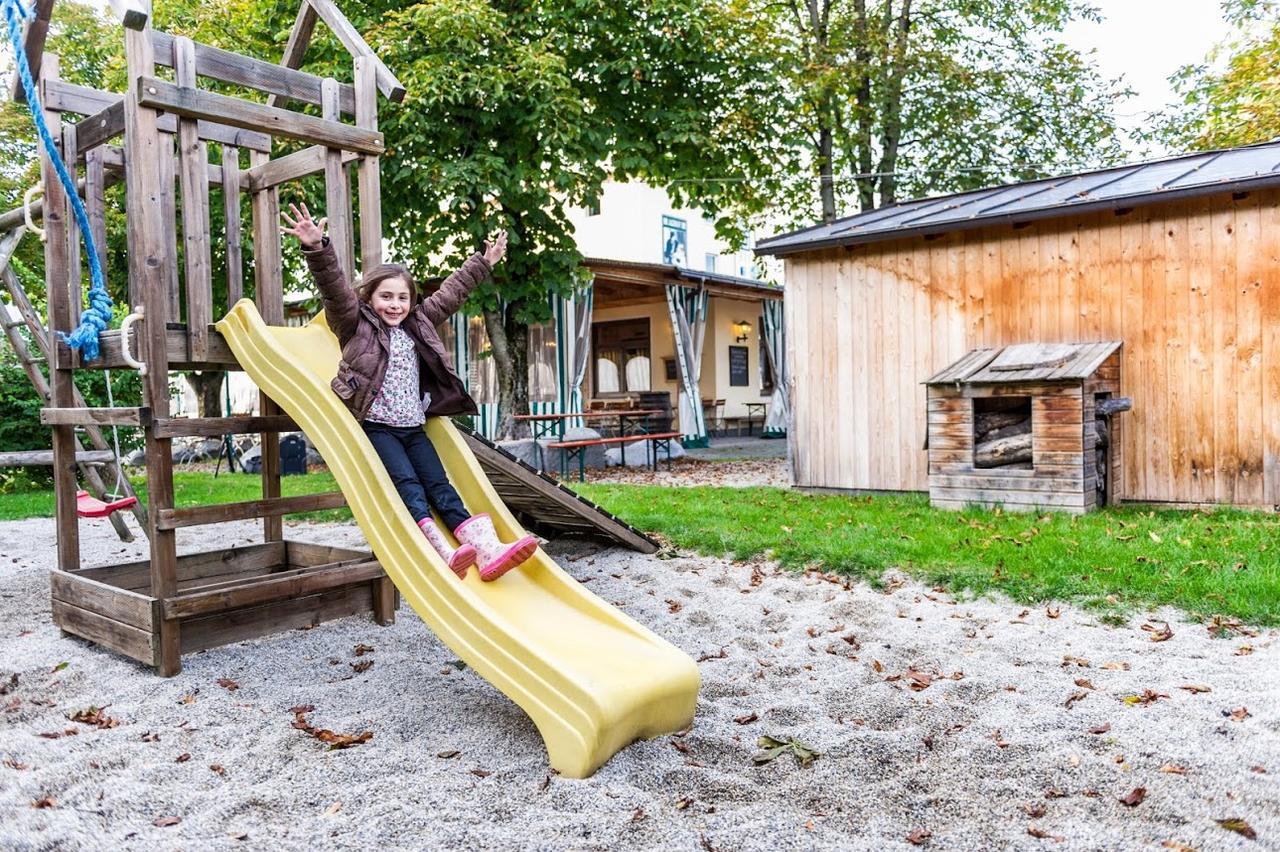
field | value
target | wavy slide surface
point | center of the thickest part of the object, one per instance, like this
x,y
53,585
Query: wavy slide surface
x,y
591,678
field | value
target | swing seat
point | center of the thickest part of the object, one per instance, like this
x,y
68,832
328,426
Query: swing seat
x,y
88,506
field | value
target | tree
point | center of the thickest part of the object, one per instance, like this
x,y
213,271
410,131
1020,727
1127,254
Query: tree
x,y
1233,97
903,98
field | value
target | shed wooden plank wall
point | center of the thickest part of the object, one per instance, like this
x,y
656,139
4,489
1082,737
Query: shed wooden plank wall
x,y
1192,288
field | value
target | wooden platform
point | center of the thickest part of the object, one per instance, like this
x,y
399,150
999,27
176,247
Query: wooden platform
x,y
542,503
222,596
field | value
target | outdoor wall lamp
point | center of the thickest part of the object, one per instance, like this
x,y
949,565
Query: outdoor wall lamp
x,y
742,328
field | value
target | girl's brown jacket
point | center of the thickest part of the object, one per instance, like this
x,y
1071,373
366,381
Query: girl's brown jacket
x,y
366,341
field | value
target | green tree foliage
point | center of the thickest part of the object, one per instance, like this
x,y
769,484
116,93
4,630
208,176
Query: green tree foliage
x,y
903,98
1233,97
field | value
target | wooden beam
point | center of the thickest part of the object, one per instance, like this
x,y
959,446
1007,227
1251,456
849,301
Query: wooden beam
x,y
216,427
100,127
337,187
296,48
282,585
131,13
71,416
34,34
356,46
231,179
280,82
44,458
281,170
370,176
193,103
273,507
193,175
82,100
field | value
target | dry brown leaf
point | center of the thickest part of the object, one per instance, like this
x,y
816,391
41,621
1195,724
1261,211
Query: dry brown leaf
x,y
1195,688
1084,683
448,754
13,764
919,836
362,666
673,606
1244,650
217,769
638,814
481,773
1238,715
1053,612
684,803
166,821
361,649
1178,846
1173,769
1116,667
1159,634
1054,793
228,684
183,758
746,719
1239,826
94,716
1035,810
1134,797
1080,695
45,802
875,664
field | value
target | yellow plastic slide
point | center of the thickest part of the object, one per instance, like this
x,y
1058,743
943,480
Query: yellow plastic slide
x,y
591,678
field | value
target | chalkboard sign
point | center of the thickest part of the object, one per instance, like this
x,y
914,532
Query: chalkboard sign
x,y
739,375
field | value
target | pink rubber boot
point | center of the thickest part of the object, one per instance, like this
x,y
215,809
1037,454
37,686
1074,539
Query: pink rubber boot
x,y
460,558
495,558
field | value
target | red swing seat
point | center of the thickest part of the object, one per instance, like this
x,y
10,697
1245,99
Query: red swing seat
x,y
91,507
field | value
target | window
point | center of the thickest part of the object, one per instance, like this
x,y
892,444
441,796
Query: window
x,y
620,357
766,365
710,262
593,207
483,377
542,363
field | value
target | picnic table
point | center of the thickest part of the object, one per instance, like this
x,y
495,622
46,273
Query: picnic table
x,y
635,420
754,410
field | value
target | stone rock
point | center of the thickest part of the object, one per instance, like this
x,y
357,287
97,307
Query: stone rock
x,y
594,456
525,449
636,454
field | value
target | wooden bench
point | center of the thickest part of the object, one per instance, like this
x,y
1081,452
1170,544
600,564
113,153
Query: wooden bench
x,y
653,442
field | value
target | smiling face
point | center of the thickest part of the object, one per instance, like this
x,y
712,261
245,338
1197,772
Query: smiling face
x,y
391,301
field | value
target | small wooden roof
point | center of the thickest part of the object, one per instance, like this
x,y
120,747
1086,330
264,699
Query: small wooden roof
x,y
1027,362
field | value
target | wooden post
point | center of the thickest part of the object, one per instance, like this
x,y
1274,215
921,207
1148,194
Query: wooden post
x,y
269,287
193,160
337,187
370,179
296,48
151,242
75,292
62,389
169,217
95,185
231,213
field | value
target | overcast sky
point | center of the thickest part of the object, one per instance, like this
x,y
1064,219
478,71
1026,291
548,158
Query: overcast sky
x,y
1145,41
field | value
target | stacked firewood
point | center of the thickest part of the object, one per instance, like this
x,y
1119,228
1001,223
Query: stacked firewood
x,y
1003,438
1103,412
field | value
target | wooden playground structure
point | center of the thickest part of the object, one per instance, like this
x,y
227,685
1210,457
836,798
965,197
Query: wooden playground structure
x,y
154,611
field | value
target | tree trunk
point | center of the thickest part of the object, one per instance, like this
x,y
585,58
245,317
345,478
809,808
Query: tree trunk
x,y
865,110
509,341
208,389
892,130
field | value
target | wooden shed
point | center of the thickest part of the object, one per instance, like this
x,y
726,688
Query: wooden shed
x,y
1023,427
1179,259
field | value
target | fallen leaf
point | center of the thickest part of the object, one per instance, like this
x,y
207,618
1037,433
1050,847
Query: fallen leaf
x,y
875,664
1116,667
1053,612
673,606
1195,688
448,754
183,758
746,719
45,802
330,738
13,764
1135,797
1054,793
150,737
59,667
684,803
481,773
238,835
1239,826
361,649
1100,729
228,684
775,746
638,815
720,656
1244,651
1000,741
1084,683
332,809
1173,769
1035,810
1261,770
189,698
166,821
919,836
1238,715
1159,634
679,746
94,716
1080,695
1148,696
1068,659
362,666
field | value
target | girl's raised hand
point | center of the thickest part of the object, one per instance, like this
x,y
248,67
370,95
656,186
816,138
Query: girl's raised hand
x,y
496,250
308,232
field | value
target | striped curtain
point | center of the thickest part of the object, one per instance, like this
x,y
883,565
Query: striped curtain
x,y
688,308
486,422
775,349
573,339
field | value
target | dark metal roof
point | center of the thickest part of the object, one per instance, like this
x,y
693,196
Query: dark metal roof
x,y
1026,362
1191,175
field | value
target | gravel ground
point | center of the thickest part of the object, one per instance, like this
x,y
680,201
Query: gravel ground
x,y
975,721
693,471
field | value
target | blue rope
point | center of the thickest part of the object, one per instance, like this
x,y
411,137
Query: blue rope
x,y
97,316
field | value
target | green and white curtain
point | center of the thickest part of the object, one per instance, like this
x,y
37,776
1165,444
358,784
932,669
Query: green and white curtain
x,y
775,350
688,308
486,422
571,317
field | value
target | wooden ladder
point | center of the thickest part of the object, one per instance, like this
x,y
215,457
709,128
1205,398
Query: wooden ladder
x,y
93,480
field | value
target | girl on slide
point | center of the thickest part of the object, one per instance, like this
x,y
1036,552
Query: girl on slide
x,y
394,374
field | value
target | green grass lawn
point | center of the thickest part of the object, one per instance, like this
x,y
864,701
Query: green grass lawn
x,y
1224,563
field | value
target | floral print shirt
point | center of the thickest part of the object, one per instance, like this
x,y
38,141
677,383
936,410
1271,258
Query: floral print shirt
x,y
397,402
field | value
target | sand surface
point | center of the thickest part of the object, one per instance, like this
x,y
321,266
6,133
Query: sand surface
x,y
994,742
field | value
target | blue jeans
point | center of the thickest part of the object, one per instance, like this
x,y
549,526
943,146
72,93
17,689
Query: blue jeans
x,y
416,470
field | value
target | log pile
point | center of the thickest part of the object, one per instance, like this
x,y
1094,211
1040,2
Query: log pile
x,y
1002,439
1103,412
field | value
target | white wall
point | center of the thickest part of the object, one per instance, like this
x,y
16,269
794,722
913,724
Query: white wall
x,y
629,227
